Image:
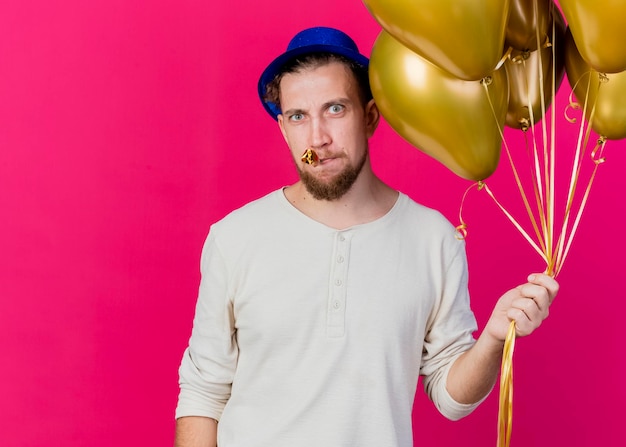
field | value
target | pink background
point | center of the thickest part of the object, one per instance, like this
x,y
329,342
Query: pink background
x,y
127,127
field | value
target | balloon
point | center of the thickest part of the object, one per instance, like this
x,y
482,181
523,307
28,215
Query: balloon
x,y
526,19
445,117
525,82
599,30
464,38
606,91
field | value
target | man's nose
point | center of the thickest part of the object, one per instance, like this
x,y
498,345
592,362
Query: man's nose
x,y
319,133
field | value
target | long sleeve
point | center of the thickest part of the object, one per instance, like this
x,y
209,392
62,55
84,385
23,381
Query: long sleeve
x,y
208,365
449,334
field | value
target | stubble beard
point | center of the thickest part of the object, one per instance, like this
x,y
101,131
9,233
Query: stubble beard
x,y
336,187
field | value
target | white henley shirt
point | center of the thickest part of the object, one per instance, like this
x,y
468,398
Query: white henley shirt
x,y
305,335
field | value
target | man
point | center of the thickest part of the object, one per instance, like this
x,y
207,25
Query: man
x,y
322,303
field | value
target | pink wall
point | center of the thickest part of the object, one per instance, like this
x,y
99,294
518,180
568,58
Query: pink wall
x,y
127,127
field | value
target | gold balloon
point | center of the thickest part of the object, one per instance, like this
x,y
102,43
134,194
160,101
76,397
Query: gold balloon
x,y
527,20
599,30
445,117
606,91
531,72
464,38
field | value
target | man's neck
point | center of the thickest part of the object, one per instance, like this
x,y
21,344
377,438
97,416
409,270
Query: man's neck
x,y
367,200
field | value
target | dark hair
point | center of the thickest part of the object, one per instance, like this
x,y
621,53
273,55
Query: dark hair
x,y
315,60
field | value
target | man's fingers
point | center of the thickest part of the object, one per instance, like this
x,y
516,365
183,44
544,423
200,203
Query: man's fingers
x,y
547,282
536,295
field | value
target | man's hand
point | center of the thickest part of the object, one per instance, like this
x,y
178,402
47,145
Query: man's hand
x,y
475,372
528,304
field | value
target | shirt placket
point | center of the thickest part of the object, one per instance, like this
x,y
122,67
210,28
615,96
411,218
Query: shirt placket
x,y
337,296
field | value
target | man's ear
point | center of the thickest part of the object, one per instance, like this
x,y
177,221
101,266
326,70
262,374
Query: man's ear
x,y
372,117
281,125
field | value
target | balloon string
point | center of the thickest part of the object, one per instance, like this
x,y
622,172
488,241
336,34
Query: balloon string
x,y
550,177
533,154
538,187
552,253
538,190
461,229
507,54
505,413
519,186
516,224
598,159
565,240
553,101
581,143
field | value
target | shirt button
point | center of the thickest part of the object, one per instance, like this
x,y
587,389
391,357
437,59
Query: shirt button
x,y
337,282
340,259
342,238
336,304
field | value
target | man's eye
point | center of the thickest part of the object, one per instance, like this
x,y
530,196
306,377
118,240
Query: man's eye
x,y
336,108
296,117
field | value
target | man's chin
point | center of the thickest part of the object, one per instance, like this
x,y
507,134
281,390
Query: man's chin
x,y
327,192
332,188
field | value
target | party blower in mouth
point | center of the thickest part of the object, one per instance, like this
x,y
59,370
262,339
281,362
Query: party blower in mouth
x,y
310,157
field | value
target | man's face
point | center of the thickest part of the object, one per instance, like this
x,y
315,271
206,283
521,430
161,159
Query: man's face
x,y
322,111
